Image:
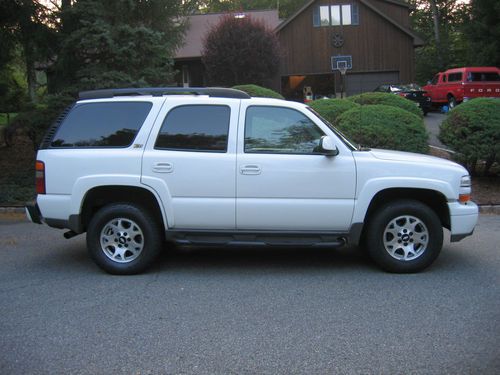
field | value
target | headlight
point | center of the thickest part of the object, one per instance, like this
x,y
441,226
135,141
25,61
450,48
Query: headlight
x,y
465,181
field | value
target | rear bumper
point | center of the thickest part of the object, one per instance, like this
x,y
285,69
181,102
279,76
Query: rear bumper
x,y
33,213
463,219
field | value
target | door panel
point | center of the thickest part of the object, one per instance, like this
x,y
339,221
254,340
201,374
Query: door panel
x,y
192,165
292,191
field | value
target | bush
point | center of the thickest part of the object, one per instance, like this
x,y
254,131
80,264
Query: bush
x,y
370,98
240,50
383,126
331,109
34,121
473,130
259,91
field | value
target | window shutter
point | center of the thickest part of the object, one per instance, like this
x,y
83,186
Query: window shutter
x,y
354,14
316,19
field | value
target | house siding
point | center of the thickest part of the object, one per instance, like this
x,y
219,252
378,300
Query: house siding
x,y
375,45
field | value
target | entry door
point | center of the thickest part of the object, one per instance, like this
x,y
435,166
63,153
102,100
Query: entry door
x,y
283,182
189,162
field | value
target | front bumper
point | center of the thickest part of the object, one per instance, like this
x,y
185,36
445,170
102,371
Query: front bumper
x,y
463,219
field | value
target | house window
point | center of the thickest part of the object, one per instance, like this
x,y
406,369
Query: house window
x,y
335,10
336,15
324,16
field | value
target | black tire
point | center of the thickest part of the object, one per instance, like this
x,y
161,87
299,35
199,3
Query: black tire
x,y
131,228
404,214
452,102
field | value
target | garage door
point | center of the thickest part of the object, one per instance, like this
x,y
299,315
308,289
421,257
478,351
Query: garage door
x,y
357,83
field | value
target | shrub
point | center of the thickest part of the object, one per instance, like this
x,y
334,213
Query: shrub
x,y
259,91
34,121
331,109
240,50
370,98
383,126
473,130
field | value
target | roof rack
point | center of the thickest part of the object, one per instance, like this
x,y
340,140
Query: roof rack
x,y
215,92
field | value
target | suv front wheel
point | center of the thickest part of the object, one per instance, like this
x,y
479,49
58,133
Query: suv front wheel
x,y
404,236
123,239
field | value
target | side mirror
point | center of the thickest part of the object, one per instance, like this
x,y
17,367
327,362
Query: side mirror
x,y
429,82
327,146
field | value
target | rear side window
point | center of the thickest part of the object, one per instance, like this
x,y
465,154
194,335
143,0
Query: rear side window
x,y
195,128
101,125
483,76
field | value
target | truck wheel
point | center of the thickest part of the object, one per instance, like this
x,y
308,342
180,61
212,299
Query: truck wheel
x,y
123,239
452,102
404,236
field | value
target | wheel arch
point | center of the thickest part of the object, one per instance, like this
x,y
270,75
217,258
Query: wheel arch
x,y
435,200
99,196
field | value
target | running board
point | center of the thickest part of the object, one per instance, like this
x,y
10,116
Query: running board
x,y
265,238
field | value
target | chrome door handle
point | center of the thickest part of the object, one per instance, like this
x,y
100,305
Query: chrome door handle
x,y
250,169
163,167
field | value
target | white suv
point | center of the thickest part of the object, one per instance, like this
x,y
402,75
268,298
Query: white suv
x,y
137,167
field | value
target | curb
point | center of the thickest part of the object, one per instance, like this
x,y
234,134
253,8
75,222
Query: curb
x,y
492,209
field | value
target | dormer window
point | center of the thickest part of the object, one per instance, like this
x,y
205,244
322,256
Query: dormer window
x,y
336,15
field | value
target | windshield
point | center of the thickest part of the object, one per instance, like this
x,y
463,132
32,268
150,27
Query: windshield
x,y
337,132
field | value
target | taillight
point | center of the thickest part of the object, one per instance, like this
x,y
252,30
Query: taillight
x,y
40,177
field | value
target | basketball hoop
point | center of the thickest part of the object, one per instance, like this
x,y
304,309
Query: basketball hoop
x,y
343,70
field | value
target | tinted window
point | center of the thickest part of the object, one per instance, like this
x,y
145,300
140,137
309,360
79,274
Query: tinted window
x,y
454,77
195,128
483,76
280,130
102,125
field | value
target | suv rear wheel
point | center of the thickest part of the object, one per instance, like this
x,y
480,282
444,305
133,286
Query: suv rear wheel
x,y
123,238
404,236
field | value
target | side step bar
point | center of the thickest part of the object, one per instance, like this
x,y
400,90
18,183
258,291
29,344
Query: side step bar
x,y
265,238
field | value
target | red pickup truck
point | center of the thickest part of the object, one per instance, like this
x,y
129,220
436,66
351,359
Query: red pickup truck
x,y
461,84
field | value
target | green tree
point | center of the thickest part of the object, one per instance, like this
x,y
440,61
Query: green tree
x,y
240,51
440,23
482,31
116,43
26,24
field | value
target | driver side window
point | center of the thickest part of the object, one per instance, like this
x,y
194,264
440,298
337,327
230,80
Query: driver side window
x,y
278,130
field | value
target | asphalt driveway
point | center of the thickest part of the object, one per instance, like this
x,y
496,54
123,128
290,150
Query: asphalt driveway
x,y
247,311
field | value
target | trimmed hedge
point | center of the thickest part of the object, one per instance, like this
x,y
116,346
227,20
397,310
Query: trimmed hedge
x,y
370,98
472,129
259,91
331,109
383,126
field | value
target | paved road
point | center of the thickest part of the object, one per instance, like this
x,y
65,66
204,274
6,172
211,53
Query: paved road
x,y
269,311
432,122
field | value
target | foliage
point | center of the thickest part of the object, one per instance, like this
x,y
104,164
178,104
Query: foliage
x,y
383,126
26,24
331,109
258,91
117,43
445,46
473,130
482,31
370,98
240,51
35,120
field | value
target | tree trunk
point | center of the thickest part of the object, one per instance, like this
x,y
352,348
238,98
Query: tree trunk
x,y
30,73
437,35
